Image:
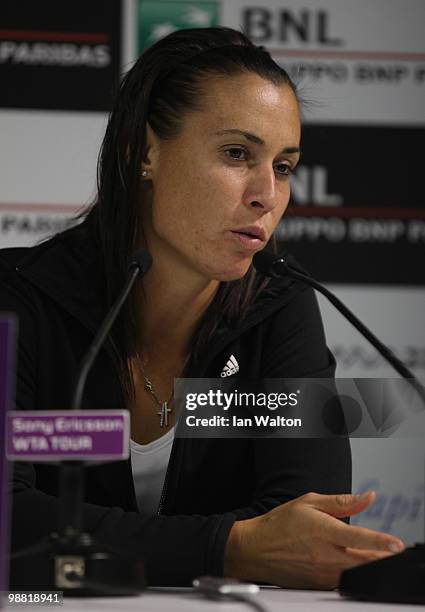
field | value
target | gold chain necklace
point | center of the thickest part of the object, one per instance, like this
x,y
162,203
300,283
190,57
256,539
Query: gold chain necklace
x,y
164,408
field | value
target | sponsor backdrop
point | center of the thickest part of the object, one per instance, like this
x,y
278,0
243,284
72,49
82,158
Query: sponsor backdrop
x,y
59,56
357,215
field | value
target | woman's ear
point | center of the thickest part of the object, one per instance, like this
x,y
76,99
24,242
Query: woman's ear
x,y
150,154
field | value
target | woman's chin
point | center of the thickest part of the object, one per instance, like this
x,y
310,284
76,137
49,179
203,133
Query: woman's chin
x,y
232,273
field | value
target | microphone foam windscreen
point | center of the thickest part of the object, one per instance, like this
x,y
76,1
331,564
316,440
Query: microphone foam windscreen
x,y
263,262
143,260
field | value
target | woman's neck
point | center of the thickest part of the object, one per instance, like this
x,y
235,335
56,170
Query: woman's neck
x,y
170,305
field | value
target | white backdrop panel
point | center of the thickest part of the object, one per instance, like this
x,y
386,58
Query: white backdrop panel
x,y
364,61
49,157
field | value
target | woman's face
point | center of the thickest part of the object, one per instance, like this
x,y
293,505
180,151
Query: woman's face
x,y
221,186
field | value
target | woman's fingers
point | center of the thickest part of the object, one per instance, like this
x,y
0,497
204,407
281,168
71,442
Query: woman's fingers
x,y
352,536
340,534
341,559
341,505
360,556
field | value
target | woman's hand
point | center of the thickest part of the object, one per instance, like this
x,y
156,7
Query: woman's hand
x,y
303,544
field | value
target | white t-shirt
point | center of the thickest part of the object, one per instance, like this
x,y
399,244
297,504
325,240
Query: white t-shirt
x,y
149,464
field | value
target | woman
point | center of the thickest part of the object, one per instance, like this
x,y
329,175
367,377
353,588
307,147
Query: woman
x,y
194,167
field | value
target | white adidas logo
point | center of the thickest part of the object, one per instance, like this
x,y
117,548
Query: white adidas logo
x,y
230,368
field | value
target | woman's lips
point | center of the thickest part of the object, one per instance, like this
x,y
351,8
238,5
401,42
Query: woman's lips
x,y
252,230
248,240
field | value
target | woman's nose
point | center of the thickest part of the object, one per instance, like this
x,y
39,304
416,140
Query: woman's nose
x,y
262,192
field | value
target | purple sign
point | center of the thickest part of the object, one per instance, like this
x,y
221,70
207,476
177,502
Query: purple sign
x,y
60,435
8,329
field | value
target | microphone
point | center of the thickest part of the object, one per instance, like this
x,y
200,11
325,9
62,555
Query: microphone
x,y
71,560
399,578
273,265
139,265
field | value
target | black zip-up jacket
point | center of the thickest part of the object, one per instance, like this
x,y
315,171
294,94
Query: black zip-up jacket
x,y
54,288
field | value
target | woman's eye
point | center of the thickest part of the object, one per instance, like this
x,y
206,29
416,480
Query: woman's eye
x,y
284,169
236,153
239,154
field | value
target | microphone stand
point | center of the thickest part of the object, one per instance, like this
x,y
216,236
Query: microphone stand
x,y
71,560
401,577
280,267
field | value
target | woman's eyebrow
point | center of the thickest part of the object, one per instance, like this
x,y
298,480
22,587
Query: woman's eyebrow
x,y
255,139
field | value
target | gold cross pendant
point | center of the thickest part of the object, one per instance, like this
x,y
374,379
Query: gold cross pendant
x,y
163,415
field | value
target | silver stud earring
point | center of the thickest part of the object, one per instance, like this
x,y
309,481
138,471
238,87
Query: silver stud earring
x,y
145,173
